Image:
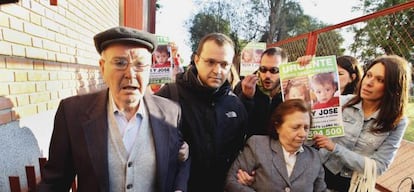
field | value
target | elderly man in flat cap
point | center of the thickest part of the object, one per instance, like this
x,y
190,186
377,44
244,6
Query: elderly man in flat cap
x,y
118,139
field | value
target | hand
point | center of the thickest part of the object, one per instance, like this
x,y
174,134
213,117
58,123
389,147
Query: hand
x,y
244,178
323,141
304,60
183,152
249,85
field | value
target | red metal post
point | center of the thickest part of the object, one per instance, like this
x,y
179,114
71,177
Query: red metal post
x,y
152,16
14,182
133,13
312,43
31,178
54,2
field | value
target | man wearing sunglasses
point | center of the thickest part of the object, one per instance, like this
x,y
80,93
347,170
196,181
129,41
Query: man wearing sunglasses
x,y
260,92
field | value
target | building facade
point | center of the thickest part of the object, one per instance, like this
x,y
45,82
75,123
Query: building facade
x,y
47,54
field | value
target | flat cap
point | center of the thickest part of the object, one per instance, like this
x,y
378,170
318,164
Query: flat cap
x,y
125,35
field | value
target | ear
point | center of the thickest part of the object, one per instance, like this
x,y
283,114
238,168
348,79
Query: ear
x,y
101,65
196,59
353,76
276,127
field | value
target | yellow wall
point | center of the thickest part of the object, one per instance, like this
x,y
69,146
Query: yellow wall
x,y
47,53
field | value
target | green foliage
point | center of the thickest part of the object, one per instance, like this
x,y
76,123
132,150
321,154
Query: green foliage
x,y
205,23
157,5
328,44
296,22
409,132
370,6
258,20
390,34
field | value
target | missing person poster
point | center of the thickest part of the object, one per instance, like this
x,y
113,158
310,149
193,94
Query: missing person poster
x,y
318,84
250,58
161,69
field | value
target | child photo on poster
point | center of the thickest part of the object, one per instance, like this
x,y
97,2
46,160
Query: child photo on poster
x,y
161,57
161,68
325,89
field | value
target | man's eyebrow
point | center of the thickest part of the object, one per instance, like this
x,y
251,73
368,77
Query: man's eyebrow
x,y
119,57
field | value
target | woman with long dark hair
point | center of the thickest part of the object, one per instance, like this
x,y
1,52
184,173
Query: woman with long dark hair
x,y
374,122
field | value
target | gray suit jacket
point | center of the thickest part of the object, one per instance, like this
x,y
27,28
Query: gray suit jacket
x,y
79,145
265,155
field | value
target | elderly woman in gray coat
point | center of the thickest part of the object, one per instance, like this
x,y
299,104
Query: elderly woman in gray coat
x,y
281,161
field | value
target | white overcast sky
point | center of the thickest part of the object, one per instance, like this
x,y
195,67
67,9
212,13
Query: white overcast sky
x,y
171,18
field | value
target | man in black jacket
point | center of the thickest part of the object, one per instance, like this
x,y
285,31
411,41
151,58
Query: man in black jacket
x,y
261,91
213,118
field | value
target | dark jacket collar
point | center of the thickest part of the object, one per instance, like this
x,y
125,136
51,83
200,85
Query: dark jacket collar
x,y
190,81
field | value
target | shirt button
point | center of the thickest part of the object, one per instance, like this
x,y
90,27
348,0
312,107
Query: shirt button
x,y
287,189
129,164
129,186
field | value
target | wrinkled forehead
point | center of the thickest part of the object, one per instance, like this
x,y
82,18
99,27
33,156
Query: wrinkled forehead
x,y
132,51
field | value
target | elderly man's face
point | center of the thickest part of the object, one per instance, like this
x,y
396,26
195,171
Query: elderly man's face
x,y
125,69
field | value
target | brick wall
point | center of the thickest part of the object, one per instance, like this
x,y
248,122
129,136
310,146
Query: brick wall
x,y
47,53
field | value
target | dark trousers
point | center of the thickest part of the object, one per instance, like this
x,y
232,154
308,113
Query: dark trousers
x,y
336,182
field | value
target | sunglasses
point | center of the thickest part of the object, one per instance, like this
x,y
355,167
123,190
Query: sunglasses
x,y
272,70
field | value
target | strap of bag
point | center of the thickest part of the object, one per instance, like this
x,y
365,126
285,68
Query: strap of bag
x,y
364,182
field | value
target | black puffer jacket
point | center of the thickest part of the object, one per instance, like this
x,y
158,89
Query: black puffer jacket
x,y
214,125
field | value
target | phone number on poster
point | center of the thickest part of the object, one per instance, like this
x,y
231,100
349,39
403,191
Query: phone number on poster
x,y
329,132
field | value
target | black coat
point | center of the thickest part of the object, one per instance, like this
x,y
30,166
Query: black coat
x,y
259,110
214,125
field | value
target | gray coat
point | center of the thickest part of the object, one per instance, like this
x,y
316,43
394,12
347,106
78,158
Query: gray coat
x,y
79,145
265,155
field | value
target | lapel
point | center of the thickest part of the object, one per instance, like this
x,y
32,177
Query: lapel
x,y
161,134
278,160
96,137
300,166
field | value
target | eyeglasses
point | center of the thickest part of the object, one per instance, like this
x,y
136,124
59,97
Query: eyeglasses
x,y
272,70
122,64
211,62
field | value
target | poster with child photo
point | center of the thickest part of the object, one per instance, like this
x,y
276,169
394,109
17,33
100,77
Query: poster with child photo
x,y
161,69
316,83
250,57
